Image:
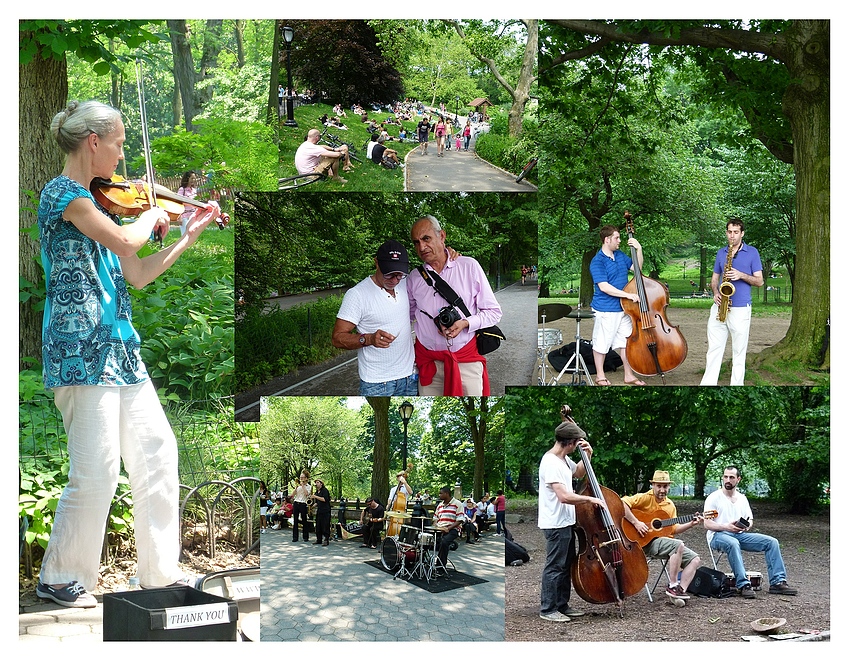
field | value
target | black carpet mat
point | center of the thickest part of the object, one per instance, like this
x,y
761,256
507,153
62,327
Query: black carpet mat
x,y
439,585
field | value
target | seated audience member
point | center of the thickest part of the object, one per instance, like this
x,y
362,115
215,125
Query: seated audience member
x,y
382,155
313,157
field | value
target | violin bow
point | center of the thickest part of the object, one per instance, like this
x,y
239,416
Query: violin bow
x,y
146,143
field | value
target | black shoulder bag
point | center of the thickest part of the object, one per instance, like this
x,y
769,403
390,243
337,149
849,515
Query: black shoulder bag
x,y
487,339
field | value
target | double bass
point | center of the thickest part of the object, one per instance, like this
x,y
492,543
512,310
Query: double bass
x,y
609,567
398,514
654,347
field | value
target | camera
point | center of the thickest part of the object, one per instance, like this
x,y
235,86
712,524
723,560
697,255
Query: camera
x,y
447,316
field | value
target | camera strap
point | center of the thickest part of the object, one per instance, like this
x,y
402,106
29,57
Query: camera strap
x,y
443,289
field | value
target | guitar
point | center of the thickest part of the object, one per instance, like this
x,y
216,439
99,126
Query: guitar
x,y
658,526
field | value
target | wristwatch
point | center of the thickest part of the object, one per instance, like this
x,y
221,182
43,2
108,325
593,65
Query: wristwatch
x,y
362,339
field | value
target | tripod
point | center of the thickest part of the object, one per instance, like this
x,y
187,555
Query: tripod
x,y
580,366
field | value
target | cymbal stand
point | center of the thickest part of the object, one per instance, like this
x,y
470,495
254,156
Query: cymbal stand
x,y
542,352
580,366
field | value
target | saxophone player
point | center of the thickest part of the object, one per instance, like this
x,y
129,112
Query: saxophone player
x,y
739,264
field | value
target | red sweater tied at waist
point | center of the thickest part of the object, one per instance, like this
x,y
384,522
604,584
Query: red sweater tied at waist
x,y
426,361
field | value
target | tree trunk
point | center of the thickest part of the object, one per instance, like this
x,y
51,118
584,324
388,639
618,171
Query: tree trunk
x,y
806,103
478,427
239,37
272,112
381,452
209,59
184,68
527,75
39,160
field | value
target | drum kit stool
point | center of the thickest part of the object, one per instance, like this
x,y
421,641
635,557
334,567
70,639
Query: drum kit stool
x,y
548,338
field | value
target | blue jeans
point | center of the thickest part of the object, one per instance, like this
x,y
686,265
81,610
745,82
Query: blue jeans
x,y
733,544
405,387
555,581
500,522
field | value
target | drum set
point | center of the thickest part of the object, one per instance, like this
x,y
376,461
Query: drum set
x,y
412,554
551,337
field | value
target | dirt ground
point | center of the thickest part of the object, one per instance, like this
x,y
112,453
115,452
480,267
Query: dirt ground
x,y
764,332
805,550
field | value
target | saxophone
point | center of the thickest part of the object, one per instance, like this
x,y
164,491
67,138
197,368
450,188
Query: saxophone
x,y
726,289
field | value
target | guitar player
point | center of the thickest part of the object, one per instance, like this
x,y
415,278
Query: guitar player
x,y
654,503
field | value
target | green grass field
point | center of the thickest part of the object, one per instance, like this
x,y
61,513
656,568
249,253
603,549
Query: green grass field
x,y
366,176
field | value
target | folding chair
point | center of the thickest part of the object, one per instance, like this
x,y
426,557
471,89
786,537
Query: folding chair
x,y
720,553
664,561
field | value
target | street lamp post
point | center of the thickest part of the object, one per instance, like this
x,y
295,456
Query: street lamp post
x,y
457,107
406,412
290,122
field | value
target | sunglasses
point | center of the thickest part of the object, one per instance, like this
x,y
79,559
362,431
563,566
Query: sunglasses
x,y
398,276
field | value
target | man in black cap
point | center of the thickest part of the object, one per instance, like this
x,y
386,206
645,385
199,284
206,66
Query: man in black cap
x,y
374,318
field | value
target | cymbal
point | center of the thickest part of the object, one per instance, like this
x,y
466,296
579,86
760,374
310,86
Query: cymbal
x,y
553,311
581,314
398,514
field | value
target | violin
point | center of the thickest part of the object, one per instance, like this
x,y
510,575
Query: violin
x,y
654,347
609,567
129,198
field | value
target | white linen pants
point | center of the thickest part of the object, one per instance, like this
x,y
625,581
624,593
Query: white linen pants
x,y
105,424
737,325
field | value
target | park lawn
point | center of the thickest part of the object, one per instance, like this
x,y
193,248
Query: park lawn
x,y
367,176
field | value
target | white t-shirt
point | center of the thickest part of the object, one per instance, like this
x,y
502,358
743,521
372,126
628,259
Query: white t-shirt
x,y
727,510
551,513
370,308
369,148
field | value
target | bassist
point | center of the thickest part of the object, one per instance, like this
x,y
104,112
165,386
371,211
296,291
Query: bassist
x,y
656,503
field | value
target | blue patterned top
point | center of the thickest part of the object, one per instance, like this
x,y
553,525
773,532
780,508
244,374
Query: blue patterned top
x,y
87,336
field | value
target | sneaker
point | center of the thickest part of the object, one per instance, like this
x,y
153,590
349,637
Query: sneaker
x,y
783,588
263,530
746,591
187,580
517,562
556,617
325,544
677,592
572,613
72,595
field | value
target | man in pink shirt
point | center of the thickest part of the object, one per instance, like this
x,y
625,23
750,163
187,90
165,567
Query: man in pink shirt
x,y
313,157
447,356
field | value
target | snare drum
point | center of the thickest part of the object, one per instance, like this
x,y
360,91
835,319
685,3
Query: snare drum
x,y
755,579
408,535
548,337
392,554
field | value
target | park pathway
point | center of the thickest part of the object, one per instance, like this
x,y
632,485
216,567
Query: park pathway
x,y
457,171
315,593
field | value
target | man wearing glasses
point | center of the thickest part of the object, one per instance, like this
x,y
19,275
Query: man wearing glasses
x,y
374,319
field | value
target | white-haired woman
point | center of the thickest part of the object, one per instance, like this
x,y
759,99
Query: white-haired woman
x,y
91,360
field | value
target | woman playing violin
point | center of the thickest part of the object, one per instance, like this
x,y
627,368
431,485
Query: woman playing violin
x,y
91,358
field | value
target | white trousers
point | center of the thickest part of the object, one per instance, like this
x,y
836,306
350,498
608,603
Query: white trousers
x,y
737,325
105,424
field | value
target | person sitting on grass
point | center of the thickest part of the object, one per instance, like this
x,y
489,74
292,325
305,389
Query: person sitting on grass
x,y
382,155
313,157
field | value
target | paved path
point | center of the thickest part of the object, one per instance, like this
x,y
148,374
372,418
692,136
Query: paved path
x,y
315,593
457,171
48,622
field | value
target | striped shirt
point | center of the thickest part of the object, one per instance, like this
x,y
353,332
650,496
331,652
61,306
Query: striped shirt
x,y
448,513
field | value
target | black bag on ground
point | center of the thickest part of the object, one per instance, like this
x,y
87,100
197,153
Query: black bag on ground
x,y
709,583
560,357
515,552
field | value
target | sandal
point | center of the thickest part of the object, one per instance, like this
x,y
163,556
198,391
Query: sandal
x,y
603,382
635,382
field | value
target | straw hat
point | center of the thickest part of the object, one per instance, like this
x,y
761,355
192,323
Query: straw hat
x,y
767,625
660,477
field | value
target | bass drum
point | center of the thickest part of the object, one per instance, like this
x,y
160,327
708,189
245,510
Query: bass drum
x,y
392,553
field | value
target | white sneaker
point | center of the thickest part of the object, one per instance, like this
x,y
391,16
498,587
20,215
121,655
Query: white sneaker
x,y
555,616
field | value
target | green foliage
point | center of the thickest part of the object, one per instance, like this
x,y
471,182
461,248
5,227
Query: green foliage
x,y
278,342
318,434
89,40
242,153
185,321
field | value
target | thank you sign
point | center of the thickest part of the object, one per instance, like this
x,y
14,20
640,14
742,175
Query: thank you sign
x,y
211,614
